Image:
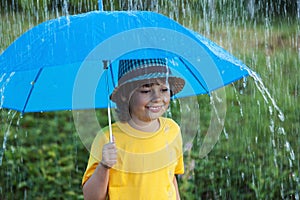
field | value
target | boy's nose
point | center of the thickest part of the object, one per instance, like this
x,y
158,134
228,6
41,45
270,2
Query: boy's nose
x,y
156,95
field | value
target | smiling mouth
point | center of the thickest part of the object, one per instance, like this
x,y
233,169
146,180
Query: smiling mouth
x,y
155,109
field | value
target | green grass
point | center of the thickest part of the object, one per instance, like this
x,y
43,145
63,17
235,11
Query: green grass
x,y
253,159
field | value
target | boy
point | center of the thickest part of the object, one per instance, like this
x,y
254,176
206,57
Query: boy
x,y
146,153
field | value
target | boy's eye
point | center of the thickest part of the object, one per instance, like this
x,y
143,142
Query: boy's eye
x,y
145,91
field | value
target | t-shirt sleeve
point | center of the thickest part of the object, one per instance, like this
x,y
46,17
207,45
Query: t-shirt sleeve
x,y
95,156
179,169
180,166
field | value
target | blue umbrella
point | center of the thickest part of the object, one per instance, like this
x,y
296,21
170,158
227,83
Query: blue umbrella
x,y
69,63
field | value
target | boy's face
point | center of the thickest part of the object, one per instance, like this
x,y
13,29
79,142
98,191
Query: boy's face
x,y
149,102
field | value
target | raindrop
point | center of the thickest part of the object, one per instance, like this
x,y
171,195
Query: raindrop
x,y
281,131
271,126
225,133
243,176
266,95
3,86
11,115
290,150
238,100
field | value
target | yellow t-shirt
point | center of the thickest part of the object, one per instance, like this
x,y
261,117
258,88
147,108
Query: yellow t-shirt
x,y
147,162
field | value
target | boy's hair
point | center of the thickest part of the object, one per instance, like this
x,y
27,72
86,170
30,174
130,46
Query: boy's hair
x,y
122,111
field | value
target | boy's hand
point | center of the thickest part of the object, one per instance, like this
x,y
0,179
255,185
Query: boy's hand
x,y
109,155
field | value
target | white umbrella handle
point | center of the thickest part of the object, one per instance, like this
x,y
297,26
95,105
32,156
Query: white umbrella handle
x,y
105,66
109,123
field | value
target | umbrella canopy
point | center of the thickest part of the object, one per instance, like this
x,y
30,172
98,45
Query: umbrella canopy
x,y
71,62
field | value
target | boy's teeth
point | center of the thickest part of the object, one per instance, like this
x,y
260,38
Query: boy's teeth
x,y
154,107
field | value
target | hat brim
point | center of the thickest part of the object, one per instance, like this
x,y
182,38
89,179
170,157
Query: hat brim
x,y
176,84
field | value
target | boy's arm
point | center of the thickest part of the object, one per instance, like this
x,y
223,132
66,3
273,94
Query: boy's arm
x,y
176,188
96,185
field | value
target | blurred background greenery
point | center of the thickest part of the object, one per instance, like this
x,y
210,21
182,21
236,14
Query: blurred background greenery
x,y
257,155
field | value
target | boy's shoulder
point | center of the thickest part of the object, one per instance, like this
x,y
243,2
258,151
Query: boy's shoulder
x,y
169,122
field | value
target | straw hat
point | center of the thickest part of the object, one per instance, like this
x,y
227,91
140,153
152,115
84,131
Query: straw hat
x,y
142,71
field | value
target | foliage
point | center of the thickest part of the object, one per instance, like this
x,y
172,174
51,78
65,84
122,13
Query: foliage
x,y
256,156
44,158
238,8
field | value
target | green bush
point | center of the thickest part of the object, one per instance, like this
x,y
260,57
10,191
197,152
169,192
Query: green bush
x,y
44,158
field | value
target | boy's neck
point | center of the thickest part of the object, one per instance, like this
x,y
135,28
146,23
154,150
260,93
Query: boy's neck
x,y
151,126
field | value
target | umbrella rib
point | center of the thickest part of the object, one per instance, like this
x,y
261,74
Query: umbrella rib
x,y
194,75
31,89
112,76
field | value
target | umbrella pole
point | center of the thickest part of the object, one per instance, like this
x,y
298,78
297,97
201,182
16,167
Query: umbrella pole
x,y
105,66
109,122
